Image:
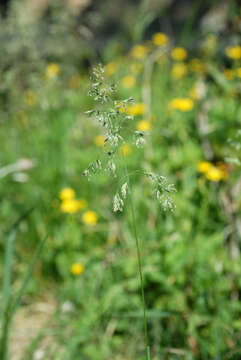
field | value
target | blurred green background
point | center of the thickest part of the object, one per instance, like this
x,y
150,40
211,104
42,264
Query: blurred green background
x,y
180,61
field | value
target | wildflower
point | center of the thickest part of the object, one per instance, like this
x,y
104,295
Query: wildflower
x,y
179,53
90,218
77,269
139,51
238,72
99,140
30,98
233,52
182,104
111,68
136,68
214,174
128,81
136,109
67,194
204,166
52,71
196,65
178,71
144,125
160,39
70,206
125,150
228,74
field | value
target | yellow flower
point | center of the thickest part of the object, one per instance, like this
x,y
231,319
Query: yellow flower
x,y
111,68
99,140
77,269
139,51
238,72
144,125
136,67
125,149
90,218
30,98
197,66
204,166
214,174
136,109
128,81
178,71
52,71
67,194
70,206
182,104
160,39
233,52
179,53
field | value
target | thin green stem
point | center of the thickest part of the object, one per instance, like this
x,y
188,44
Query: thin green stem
x,y
138,250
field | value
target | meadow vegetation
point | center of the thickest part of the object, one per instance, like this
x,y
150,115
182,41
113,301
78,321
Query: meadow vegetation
x,y
181,112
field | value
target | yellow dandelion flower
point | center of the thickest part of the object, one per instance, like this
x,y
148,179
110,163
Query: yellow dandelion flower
x,y
182,104
139,51
197,66
144,125
52,70
136,68
77,269
99,140
136,109
228,74
214,174
70,206
67,194
204,166
90,218
111,68
238,72
178,71
30,98
160,39
179,54
125,150
128,81
233,52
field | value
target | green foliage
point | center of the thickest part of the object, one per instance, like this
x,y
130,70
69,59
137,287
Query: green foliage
x,y
191,259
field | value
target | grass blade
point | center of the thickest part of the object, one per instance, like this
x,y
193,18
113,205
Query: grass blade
x,y
5,314
28,274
